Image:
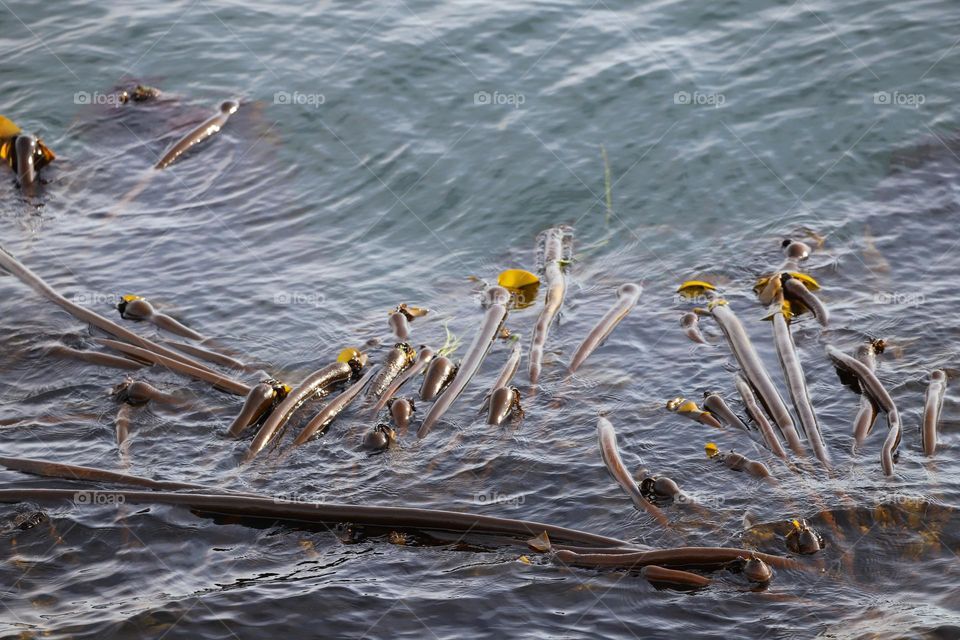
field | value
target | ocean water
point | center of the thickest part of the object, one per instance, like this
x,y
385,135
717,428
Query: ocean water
x,y
391,152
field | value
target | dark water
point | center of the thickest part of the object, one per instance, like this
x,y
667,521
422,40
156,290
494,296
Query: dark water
x,y
449,135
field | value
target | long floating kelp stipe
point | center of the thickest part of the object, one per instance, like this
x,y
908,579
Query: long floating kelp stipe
x,y
349,365
400,357
556,244
674,577
209,127
867,414
510,366
715,404
591,550
202,132
627,296
95,357
319,423
25,275
610,453
605,552
787,293
755,373
137,308
797,385
296,513
504,400
496,299
871,385
212,357
191,368
759,418
932,406
424,357
700,557
63,471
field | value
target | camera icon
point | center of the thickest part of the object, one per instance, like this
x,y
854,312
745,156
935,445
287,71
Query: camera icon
x,y
81,97
482,97
282,97
881,97
82,497
681,97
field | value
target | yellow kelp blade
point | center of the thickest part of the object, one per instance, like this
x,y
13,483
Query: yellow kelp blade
x,y
348,354
412,311
808,281
540,543
682,405
6,152
716,303
9,131
7,128
761,284
46,155
522,285
786,309
692,288
516,279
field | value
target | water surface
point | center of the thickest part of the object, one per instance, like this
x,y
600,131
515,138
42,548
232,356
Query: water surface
x,y
384,153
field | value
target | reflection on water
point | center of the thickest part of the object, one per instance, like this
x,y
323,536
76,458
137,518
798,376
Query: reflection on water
x,y
447,137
